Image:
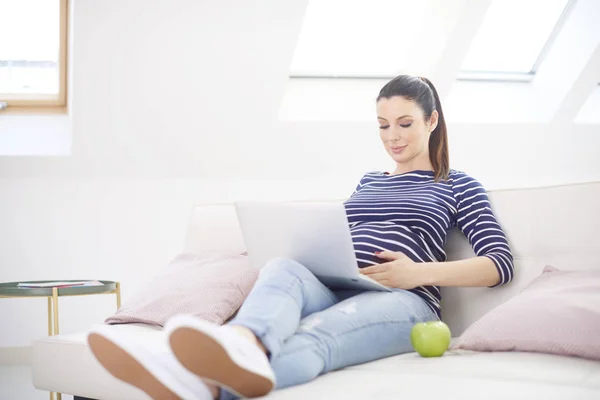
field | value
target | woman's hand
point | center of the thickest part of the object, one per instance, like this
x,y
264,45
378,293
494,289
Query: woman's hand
x,y
399,272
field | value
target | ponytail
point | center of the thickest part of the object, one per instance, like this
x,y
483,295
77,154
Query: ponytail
x,y
438,141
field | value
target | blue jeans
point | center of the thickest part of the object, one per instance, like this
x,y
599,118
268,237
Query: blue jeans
x,y
309,329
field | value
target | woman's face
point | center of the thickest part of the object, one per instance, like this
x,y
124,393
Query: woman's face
x,y
404,130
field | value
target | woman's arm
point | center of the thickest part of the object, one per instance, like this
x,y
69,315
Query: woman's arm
x,y
403,273
474,217
476,271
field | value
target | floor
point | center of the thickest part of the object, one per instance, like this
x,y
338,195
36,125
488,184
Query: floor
x,y
15,384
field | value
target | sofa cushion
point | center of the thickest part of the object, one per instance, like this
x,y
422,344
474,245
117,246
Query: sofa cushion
x,y
557,313
214,227
211,286
459,374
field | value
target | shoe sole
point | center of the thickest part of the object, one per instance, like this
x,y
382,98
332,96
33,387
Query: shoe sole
x,y
207,358
123,366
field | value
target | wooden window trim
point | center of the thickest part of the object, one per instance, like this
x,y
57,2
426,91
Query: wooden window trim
x,y
46,103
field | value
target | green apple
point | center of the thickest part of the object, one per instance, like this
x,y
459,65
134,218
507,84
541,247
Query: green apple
x,y
430,339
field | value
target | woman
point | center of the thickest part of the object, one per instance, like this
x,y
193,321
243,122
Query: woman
x,y
291,327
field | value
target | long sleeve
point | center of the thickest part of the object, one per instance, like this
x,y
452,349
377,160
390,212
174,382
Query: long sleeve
x,y
478,223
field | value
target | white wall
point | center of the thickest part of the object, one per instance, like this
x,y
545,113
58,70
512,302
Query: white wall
x,y
176,103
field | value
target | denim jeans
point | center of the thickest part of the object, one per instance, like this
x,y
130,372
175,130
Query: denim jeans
x,y
309,329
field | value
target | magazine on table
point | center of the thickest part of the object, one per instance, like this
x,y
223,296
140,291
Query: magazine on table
x,y
59,284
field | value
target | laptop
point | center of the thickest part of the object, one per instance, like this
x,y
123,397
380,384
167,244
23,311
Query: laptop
x,y
316,234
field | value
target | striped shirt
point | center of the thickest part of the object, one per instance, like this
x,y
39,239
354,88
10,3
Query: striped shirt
x,y
412,214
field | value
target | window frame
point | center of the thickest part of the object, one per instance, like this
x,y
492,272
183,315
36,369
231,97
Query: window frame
x,y
46,102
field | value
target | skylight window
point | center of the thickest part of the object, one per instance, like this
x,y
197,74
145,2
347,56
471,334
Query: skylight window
x,y
513,35
382,38
358,38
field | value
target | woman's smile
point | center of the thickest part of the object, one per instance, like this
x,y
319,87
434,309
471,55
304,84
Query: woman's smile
x,y
398,149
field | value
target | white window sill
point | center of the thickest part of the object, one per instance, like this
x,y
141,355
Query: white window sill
x,y
35,135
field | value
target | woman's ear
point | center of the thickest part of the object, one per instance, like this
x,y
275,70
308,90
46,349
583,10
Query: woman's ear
x,y
433,121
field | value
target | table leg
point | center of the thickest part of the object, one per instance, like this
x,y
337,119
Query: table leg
x,y
50,330
55,329
118,295
55,302
49,316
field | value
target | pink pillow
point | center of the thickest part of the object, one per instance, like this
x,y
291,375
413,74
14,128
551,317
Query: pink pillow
x,y
557,313
211,286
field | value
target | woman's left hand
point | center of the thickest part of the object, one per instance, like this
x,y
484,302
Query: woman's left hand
x,y
399,272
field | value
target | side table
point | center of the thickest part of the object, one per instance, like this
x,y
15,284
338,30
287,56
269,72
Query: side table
x,y
12,290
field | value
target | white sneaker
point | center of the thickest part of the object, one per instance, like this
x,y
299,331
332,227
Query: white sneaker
x,y
220,355
145,361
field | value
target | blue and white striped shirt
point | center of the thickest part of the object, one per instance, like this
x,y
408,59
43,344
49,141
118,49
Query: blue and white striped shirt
x,y
412,214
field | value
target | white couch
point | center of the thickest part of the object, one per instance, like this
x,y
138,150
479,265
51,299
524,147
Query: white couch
x,y
555,225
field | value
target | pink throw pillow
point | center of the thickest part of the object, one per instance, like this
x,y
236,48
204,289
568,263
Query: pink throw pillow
x,y
211,286
557,313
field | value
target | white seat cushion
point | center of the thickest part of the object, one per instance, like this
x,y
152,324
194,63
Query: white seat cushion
x,y
459,374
